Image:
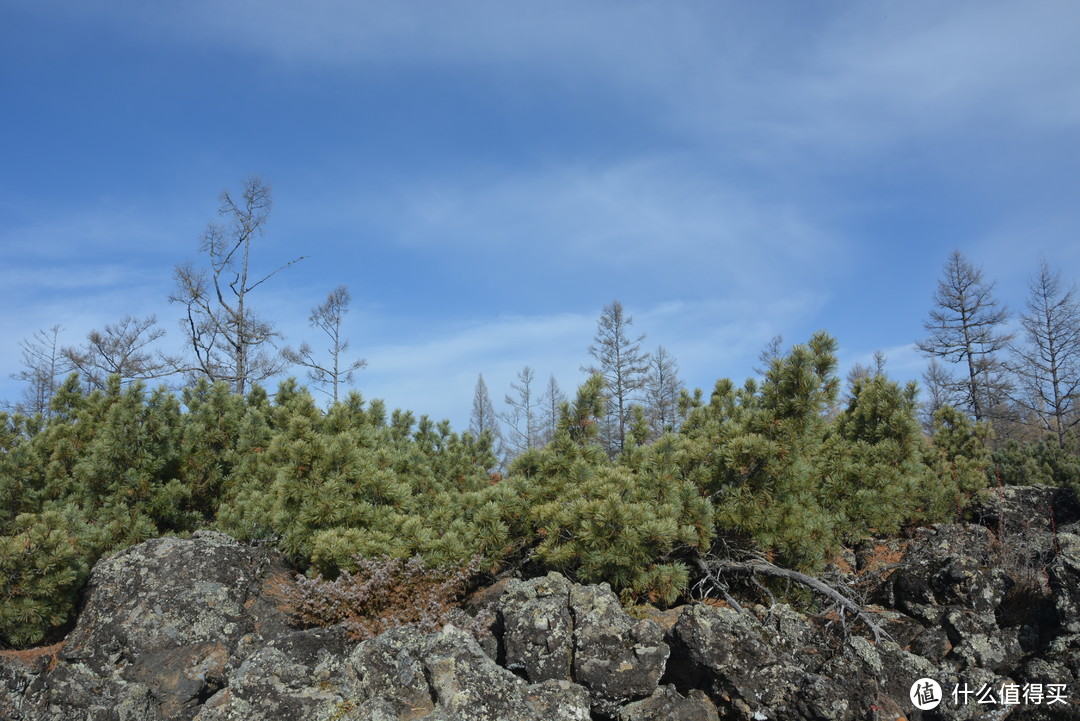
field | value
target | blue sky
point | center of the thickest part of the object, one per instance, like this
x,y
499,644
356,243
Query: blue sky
x,y
486,175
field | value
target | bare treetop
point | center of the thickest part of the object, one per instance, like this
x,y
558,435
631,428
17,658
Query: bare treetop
x,y
1047,363
966,326
623,367
229,341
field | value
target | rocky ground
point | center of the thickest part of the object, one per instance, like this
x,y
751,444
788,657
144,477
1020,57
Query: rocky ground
x,y
191,629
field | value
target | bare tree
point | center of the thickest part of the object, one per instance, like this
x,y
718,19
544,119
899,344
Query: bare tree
x,y
43,364
328,318
662,389
859,371
1048,363
483,417
123,349
966,326
484,420
622,365
551,401
940,391
772,350
229,341
522,418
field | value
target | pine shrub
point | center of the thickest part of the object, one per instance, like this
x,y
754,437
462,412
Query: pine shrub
x,y
1043,464
630,524
42,568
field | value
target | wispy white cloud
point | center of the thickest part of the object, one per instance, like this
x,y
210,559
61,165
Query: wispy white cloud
x,y
762,108
663,218
100,228
785,68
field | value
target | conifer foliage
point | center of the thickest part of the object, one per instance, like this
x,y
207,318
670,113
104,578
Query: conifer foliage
x,y
772,465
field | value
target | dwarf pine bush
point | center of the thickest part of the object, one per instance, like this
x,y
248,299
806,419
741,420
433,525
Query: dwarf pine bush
x,y
1044,463
773,465
42,568
627,524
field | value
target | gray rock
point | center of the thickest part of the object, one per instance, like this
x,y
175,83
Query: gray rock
x,y
404,674
204,593
538,628
666,704
556,630
162,627
1012,508
617,658
726,653
1064,580
300,675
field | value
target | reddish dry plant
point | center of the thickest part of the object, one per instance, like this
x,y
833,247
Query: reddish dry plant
x,y
34,656
387,592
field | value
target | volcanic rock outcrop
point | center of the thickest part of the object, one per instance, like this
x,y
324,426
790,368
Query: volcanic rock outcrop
x,y
192,629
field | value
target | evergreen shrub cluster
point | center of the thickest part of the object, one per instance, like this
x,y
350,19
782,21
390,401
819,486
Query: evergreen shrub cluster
x,y
777,465
787,472
1044,464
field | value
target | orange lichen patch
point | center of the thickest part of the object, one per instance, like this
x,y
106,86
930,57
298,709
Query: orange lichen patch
x,y
33,657
883,556
842,565
666,619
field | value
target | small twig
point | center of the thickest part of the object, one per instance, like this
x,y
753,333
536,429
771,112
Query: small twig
x,y
719,585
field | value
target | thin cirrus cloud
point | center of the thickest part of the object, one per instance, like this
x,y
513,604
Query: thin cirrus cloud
x,y
850,81
634,215
729,171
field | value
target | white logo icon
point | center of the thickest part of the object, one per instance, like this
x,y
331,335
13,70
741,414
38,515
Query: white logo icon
x,y
925,694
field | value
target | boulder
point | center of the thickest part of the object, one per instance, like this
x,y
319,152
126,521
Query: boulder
x,y
729,655
617,658
667,704
1010,509
176,601
538,628
162,627
556,630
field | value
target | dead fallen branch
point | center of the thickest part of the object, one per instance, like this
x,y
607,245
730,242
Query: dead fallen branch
x,y
714,568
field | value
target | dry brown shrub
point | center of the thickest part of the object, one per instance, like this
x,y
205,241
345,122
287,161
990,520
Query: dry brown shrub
x,y
384,593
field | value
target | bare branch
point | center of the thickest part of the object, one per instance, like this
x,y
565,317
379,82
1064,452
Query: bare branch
x,y
713,567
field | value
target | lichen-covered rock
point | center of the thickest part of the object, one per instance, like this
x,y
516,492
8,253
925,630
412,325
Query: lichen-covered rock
x,y
556,630
1012,508
404,674
390,675
467,685
725,652
163,625
205,593
300,675
1064,581
538,628
616,657
667,704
